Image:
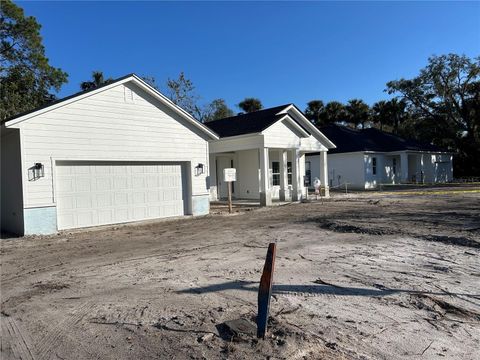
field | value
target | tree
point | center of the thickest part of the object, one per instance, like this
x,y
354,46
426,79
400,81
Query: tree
x,y
250,105
217,109
97,80
380,115
334,112
182,92
445,98
315,112
391,113
26,77
357,112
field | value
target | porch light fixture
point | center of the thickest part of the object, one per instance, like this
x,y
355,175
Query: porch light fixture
x,y
36,172
199,169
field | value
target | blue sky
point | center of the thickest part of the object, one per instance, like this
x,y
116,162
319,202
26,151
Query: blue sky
x,y
280,52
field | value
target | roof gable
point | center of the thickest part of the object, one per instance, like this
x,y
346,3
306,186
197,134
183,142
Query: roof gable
x,y
132,78
249,123
258,121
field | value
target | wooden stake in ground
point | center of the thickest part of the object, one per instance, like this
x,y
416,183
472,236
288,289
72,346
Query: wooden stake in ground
x,y
229,175
265,291
229,197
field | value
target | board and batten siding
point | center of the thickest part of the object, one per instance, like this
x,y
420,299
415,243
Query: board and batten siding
x,y
122,123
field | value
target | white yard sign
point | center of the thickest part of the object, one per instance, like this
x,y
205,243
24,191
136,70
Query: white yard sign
x,y
229,174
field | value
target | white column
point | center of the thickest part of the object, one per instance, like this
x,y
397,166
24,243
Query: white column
x,y
265,191
282,155
324,172
404,167
301,171
212,177
296,186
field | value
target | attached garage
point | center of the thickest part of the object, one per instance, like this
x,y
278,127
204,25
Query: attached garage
x,y
100,193
119,153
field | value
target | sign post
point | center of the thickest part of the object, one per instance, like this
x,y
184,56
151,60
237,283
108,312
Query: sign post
x,y
229,175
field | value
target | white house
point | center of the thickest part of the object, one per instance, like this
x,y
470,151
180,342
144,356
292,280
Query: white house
x,y
268,149
367,158
121,152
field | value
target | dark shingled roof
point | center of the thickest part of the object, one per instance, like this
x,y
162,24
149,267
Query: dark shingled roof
x,y
248,123
351,140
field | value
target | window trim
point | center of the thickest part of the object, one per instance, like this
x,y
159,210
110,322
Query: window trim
x,y
276,174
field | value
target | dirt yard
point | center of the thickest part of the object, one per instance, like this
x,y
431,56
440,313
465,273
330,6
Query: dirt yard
x,y
368,276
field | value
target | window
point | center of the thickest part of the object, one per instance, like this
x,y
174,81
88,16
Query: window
x,y
394,166
289,172
374,166
275,173
308,174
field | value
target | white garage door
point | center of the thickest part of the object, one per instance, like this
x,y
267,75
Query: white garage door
x,y
98,193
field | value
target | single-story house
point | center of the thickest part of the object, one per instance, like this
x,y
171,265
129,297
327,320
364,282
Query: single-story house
x,y
267,148
367,158
120,152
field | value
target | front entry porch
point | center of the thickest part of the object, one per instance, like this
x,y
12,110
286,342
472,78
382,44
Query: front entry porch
x,y
266,176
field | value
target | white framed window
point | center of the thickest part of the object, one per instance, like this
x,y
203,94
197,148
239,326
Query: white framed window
x,y
394,166
308,174
289,172
275,173
374,166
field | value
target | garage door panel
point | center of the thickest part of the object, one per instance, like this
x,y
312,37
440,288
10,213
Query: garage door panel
x,y
90,194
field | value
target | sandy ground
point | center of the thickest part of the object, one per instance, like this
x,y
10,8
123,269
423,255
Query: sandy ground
x,y
361,277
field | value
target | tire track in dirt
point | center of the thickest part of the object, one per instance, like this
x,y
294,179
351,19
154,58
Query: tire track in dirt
x,y
15,341
50,340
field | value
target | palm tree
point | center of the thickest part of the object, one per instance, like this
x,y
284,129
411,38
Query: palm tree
x,y
97,80
315,112
334,112
397,109
381,113
358,113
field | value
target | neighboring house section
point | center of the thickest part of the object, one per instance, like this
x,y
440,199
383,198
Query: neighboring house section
x,y
367,158
121,152
268,149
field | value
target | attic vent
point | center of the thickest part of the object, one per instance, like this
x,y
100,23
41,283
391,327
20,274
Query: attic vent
x,y
129,95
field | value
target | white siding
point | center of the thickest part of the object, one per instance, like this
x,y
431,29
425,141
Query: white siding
x,y
236,143
311,144
341,168
122,123
281,135
248,183
436,167
11,183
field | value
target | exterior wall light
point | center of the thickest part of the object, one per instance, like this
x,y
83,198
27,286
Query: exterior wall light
x,y
36,172
199,169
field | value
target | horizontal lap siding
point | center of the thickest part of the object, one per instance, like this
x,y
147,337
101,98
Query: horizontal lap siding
x,y
107,127
280,136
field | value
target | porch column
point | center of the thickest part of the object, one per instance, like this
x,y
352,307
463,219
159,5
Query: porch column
x,y
282,155
265,191
324,172
212,177
404,167
296,185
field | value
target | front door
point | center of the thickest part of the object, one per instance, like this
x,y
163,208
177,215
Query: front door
x,y
223,162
